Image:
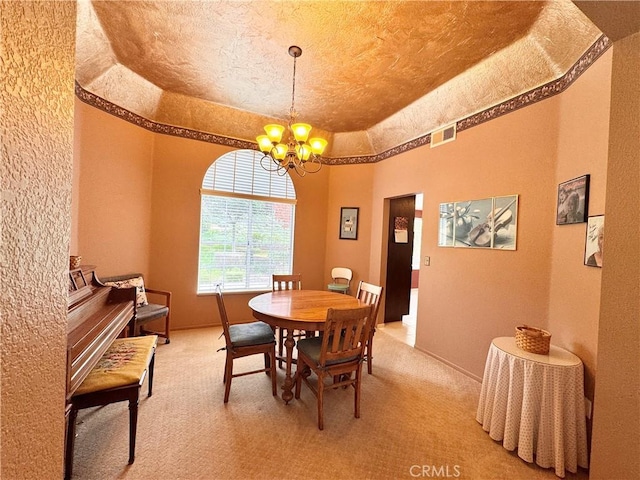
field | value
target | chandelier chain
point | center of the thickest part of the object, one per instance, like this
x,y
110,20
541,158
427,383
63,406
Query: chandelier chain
x,y
295,151
293,90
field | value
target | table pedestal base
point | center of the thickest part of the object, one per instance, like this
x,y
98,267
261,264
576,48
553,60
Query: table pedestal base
x,y
287,388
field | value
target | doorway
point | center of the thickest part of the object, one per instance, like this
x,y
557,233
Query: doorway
x,y
399,258
403,265
409,320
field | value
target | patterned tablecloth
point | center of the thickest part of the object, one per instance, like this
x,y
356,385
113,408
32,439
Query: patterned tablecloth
x,y
535,403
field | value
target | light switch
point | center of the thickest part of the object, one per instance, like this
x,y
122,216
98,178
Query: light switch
x,y
427,261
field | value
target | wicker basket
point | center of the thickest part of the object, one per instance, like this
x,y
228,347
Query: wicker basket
x,y
532,339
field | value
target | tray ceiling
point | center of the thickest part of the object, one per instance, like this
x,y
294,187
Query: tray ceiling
x,y
372,75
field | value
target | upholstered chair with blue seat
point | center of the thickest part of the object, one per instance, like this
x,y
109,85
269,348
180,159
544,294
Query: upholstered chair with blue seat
x,y
242,340
146,311
336,354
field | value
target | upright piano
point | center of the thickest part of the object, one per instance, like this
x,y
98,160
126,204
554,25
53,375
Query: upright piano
x,y
96,316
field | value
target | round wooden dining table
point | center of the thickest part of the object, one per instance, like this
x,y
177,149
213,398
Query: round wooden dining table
x,y
297,310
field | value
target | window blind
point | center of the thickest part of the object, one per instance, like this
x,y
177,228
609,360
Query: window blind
x,y
243,240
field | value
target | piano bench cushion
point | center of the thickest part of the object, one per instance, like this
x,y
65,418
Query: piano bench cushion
x,y
123,364
149,312
125,281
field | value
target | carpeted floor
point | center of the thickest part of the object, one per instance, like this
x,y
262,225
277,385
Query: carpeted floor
x,y
417,421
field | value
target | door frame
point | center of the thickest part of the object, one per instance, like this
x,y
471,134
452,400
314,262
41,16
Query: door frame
x,y
384,248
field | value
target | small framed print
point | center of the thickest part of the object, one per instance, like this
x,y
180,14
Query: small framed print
x,y
401,229
594,242
446,225
349,223
573,201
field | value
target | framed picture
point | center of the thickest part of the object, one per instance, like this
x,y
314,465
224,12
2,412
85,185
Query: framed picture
x,y
349,223
485,223
401,229
594,243
445,228
573,201
470,227
504,222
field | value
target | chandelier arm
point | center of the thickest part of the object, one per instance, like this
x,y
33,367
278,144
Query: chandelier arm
x,y
299,169
269,163
314,162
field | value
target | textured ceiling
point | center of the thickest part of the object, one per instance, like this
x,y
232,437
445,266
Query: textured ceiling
x,y
372,74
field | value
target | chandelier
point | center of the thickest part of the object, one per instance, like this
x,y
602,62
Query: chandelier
x,y
299,153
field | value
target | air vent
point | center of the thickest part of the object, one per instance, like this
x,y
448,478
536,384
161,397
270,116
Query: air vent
x,y
444,135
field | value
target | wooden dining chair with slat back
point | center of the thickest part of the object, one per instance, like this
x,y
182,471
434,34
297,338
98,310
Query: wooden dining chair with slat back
x,y
337,354
371,295
286,282
242,340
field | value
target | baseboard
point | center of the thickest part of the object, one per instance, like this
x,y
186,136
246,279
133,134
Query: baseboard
x,y
193,327
450,364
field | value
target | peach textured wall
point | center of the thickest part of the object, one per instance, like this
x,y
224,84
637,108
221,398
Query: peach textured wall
x,y
36,100
75,202
349,186
583,134
179,167
616,419
394,177
140,211
115,180
467,297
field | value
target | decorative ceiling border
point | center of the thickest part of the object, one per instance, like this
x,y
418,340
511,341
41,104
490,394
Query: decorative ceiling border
x,y
128,116
523,100
540,93
535,95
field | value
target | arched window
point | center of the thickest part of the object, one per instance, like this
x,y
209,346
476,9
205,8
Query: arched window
x,y
246,224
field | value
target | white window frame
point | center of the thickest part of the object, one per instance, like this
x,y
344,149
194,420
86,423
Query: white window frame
x,y
238,176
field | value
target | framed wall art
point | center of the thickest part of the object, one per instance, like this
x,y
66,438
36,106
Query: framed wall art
x,y
594,242
445,226
573,201
401,229
349,223
485,223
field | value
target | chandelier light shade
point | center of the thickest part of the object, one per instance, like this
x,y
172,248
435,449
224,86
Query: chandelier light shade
x,y
297,151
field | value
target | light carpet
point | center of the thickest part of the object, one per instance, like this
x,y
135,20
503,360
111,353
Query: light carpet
x,y
417,421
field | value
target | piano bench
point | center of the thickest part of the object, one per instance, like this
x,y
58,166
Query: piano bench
x,y
117,377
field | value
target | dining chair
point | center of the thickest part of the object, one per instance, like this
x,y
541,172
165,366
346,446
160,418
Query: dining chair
x,y
371,295
336,354
340,279
286,282
242,340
